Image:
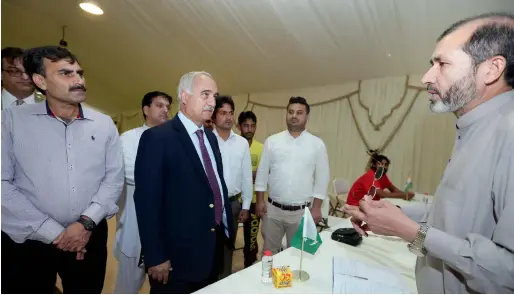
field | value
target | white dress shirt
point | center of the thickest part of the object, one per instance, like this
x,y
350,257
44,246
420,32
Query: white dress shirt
x,y
191,129
127,234
296,169
9,100
237,166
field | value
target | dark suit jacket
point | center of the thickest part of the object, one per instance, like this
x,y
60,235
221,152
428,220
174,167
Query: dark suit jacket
x,y
173,202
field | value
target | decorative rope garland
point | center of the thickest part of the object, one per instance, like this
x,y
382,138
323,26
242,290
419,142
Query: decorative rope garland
x,y
393,133
357,125
387,116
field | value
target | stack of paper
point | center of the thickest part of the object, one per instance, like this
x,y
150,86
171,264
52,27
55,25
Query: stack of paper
x,y
350,276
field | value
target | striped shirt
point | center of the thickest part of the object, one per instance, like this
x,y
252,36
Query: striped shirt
x,y
53,172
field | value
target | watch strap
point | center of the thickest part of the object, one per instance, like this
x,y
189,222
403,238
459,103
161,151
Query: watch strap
x,y
417,246
87,222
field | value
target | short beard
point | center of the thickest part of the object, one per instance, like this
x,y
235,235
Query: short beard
x,y
248,135
297,128
458,96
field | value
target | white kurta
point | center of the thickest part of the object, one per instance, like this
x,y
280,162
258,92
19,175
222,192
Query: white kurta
x,y
127,233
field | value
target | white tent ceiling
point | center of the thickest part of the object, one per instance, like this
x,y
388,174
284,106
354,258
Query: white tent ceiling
x,y
248,45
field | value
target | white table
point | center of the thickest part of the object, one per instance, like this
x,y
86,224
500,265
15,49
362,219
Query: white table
x,y
417,198
385,251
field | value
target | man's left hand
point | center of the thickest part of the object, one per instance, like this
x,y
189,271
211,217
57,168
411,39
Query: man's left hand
x,y
316,214
243,215
384,218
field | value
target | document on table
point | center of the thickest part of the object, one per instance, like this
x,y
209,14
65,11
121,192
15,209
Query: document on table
x,y
350,276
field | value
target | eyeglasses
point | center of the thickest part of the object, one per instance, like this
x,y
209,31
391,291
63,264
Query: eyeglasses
x,y
379,172
14,72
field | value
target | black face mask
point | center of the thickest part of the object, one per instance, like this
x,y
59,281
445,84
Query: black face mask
x,y
381,170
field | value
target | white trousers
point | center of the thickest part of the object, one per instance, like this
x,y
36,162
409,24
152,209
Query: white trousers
x,y
131,277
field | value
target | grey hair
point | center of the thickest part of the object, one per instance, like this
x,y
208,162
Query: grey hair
x,y
186,84
494,37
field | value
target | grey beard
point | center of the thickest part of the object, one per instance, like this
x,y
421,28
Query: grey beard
x,y
459,95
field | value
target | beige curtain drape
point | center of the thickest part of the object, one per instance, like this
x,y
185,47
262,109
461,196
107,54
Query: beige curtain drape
x,y
346,116
390,114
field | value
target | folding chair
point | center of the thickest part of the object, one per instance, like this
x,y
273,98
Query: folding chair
x,y
341,189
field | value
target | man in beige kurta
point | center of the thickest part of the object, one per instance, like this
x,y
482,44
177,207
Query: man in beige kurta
x,y
465,240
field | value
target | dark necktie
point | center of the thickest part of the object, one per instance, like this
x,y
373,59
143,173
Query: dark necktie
x,y
211,176
19,102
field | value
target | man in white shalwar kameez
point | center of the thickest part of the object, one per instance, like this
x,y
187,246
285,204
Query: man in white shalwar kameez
x,y
127,246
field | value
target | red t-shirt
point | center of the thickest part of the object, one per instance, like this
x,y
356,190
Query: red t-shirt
x,y
361,187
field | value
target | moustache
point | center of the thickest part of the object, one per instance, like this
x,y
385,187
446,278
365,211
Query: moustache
x,y
433,89
209,108
78,87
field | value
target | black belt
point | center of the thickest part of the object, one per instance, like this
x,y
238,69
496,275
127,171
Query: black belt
x,y
234,198
288,207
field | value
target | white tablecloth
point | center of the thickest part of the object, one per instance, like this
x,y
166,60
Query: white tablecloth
x,y
386,251
417,198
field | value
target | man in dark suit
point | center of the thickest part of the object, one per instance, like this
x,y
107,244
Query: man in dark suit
x,y
181,198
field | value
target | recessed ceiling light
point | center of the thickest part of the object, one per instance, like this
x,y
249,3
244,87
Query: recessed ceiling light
x,y
91,7
389,55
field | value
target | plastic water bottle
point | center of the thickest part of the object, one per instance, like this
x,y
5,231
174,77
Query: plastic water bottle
x,y
425,198
267,265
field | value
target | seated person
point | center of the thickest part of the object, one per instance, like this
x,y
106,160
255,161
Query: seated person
x,y
362,185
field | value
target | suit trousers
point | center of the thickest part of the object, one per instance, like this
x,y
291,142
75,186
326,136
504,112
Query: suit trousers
x,y
182,287
229,251
32,266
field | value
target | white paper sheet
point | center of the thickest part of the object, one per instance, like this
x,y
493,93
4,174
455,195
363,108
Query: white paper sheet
x,y
350,276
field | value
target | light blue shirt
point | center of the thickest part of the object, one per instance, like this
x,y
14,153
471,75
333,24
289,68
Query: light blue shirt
x,y
52,172
191,129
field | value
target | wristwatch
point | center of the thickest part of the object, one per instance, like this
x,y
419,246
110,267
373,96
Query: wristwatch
x,y
417,246
87,222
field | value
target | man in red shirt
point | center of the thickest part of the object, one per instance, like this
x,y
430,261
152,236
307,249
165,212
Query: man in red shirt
x,y
362,185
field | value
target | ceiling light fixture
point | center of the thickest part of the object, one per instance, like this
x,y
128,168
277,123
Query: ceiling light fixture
x,y
91,7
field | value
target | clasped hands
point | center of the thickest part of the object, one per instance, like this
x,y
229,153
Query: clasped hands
x,y
73,239
160,273
382,218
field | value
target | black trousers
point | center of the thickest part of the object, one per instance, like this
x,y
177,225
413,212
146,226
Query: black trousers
x,y
251,231
32,267
180,287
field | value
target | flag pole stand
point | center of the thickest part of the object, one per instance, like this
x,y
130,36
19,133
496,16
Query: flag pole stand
x,y
301,275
